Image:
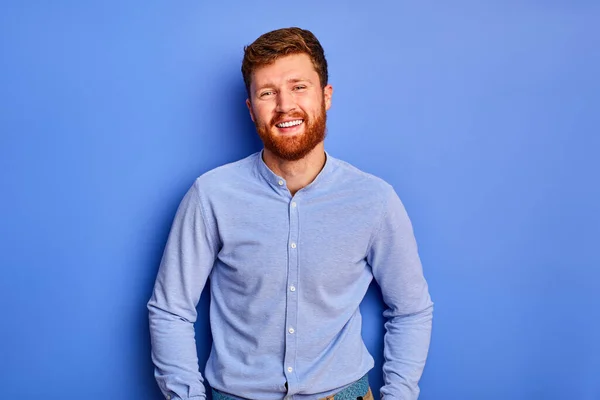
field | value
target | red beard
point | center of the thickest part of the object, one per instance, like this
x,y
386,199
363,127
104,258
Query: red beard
x,y
293,148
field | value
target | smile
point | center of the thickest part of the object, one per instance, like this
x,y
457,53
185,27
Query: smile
x,y
289,124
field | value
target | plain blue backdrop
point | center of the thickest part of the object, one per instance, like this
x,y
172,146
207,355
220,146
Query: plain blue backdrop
x,y
484,116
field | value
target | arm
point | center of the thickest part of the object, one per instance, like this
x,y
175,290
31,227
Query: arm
x,y
397,268
186,264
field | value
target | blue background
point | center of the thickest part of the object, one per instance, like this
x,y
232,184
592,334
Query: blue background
x,y
484,116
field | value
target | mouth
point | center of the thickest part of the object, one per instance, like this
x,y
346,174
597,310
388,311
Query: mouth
x,y
290,125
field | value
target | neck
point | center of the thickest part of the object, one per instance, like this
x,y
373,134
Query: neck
x,y
300,173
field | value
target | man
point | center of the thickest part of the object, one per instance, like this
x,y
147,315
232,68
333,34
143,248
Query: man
x,y
291,239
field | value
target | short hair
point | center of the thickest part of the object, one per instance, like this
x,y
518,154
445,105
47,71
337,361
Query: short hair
x,y
282,42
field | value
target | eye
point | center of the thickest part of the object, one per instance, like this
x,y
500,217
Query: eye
x,y
266,93
299,87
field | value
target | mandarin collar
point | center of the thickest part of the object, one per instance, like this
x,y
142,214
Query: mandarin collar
x,y
278,183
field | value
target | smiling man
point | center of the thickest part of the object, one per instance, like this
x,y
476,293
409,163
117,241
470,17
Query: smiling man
x,y
291,238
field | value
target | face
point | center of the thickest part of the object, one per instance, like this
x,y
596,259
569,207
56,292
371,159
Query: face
x,y
288,106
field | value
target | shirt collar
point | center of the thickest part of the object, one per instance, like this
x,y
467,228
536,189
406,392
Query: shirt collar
x,y
279,184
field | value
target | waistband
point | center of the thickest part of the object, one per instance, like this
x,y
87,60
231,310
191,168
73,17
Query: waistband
x,y
356,389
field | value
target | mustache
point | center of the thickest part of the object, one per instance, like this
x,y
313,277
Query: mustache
x,y
282,117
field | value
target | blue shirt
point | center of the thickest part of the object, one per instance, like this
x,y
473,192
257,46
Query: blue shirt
x,y
287,275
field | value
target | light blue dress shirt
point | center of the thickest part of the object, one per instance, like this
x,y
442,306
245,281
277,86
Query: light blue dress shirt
x,y
287,275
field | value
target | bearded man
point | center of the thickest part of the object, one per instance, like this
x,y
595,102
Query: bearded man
x,y
291,238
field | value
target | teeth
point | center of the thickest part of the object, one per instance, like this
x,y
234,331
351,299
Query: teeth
x,y
289,123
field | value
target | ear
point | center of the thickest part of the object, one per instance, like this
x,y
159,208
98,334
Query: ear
x,y
249,105
327,93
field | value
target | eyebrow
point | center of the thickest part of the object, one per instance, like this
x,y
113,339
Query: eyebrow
x,y
291,80
296,80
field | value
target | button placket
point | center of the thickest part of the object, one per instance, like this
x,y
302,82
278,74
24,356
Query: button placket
x,y
292,299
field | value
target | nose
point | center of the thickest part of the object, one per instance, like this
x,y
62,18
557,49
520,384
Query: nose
x,y
285,102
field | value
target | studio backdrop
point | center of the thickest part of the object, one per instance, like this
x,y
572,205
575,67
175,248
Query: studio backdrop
x,y
483,115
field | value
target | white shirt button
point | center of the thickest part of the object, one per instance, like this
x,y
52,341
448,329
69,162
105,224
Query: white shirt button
x,y
280,183
293,204
291,330
293,245
290,369
292,288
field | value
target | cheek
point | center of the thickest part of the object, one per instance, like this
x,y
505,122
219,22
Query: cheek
x,y
262,115
311,106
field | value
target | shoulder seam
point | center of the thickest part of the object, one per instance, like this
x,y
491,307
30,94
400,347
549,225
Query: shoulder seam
x,y
378,226
210,230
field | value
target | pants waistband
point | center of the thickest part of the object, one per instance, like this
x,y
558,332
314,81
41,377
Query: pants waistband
x,y
357,389
360,388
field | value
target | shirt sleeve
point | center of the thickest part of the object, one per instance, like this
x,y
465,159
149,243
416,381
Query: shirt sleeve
x,y
187,261
396,266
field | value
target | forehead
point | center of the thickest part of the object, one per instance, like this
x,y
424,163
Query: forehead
x,y
294,66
